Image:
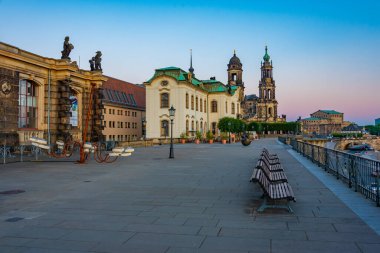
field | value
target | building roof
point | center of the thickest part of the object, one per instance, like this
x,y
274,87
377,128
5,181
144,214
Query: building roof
x,y
235,60
331,112
313,118
181,75
124,93
250,97
352,127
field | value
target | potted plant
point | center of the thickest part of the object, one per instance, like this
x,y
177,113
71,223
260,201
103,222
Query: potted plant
x,y
183,137
224,137
198,137
210,137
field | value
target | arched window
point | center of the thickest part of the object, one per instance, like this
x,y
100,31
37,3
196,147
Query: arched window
x,y
205,108
164,128
192,125
200,105
196,103
192,102
269,95
237,109
27,104
164,100
226,107
201,125
214,106
187,127
269,111
196,126
187,101
233,108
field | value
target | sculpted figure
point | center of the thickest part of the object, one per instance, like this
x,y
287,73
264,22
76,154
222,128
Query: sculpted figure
x,y
67,47
98,60
92,63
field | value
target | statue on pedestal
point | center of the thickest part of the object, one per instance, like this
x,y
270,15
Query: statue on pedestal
x,y
67,47
98,61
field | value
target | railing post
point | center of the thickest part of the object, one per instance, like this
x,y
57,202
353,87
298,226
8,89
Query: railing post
x,y
312,153
355,173
326,159
377,187
350,170
337,164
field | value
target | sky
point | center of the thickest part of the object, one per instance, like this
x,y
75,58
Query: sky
x,y
325,52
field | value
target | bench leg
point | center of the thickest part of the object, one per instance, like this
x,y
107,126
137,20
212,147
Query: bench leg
x,y
265,205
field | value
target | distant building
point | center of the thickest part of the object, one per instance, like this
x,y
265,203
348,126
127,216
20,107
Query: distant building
x,y
199,103
377,121
124,110
264,107
352,129
323,122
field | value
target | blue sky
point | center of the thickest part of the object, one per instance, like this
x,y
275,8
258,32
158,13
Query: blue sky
x,y
325,53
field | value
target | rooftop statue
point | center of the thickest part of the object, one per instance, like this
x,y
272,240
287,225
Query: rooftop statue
x,y
67,47
98,61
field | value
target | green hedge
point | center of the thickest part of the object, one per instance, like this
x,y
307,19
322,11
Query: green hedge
x,y
235,126
285,127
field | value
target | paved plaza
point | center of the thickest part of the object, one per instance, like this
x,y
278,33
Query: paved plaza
x,y
201,201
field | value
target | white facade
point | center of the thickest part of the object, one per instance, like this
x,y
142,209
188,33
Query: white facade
x,y
189,116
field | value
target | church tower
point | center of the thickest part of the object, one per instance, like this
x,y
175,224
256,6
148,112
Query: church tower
x,y
235,71
266,107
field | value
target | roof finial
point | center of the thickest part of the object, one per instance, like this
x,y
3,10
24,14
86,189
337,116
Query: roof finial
x,y
234,52
191,69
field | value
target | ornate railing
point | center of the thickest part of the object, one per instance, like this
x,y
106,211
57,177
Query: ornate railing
x,y
359,173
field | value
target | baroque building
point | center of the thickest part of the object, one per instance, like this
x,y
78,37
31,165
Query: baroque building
x,y
323,122
199,103
264,107
124,110
47,98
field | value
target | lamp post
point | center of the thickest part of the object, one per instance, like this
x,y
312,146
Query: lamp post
x,y
229,132
171,115
143,127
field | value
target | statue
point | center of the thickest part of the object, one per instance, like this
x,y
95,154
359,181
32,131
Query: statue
x,y
92,63
98,61
67,47
245,139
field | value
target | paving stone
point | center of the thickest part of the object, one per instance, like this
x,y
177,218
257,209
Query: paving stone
x,y
236,244
98,236
165,229
263,233
342,237
190,241
60,244
291,246
369,247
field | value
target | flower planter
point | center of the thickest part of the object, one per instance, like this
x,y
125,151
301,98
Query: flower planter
x,y
211,141
196,141
224,141
183,141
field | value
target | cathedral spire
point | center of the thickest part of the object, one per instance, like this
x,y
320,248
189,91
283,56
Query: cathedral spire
x,y
266,56
191,69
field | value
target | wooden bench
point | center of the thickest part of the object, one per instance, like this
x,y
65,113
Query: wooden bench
x,y
277,192
269,155
270,158
276,195
272,167
273,176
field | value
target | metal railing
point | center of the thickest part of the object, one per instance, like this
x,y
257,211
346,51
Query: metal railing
x,y
359,173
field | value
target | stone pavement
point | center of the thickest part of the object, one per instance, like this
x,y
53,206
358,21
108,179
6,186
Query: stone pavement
x,y
201,201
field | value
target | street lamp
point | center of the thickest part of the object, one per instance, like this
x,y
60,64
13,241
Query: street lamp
x,y
171,115
229,132
143,127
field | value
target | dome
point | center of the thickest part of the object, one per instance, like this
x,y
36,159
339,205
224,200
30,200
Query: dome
x,y
235,60
266,56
